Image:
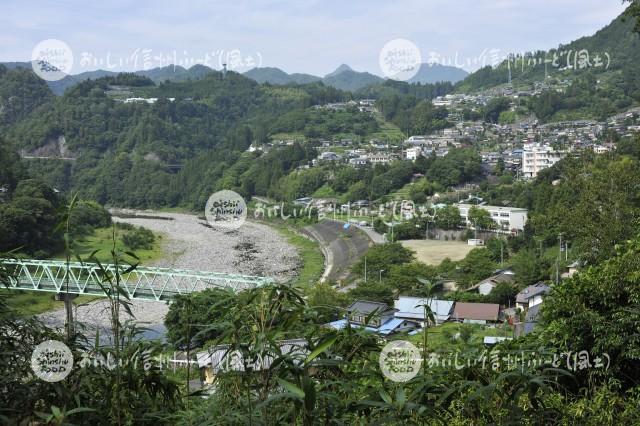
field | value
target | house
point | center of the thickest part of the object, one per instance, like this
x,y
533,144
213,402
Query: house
x,y
324,203
329,156
476,313
358,162
379,158
378,313
222,358
571,270
304,201
380,318
413,154
485,286
532,295
393,325
411,308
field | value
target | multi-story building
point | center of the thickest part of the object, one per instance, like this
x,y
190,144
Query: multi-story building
x,y
412,154
507,218
536,157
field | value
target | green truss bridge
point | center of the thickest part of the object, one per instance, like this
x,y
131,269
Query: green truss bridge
x,y
147,283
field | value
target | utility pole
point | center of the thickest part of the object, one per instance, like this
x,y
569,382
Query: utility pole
x,y
559,257
365,269
380,276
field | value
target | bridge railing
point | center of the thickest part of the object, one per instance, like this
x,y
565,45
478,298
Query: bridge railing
x,y
149,283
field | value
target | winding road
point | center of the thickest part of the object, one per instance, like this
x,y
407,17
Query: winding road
x,y
341,247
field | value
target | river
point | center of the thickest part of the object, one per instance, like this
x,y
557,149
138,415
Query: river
x,y
253,249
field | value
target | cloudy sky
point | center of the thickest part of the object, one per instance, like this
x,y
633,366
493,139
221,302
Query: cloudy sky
x,y
297,35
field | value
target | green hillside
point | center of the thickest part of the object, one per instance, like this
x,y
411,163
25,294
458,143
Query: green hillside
x,y
158,154
613,51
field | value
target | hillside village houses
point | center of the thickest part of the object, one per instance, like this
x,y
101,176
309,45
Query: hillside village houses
x,y
524,148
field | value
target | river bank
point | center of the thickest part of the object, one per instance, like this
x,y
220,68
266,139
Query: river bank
x,y
253,249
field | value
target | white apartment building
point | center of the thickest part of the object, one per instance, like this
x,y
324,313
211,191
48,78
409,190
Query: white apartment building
x,y
537,157
412,154
507,218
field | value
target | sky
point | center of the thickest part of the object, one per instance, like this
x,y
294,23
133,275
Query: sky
x,y
297,35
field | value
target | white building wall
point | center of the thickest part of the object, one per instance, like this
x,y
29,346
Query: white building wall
x,y
536,157
536,300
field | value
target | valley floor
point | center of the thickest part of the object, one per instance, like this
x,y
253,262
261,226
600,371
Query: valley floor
x,y
253,249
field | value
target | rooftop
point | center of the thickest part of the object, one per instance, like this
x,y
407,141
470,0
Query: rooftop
x,y
532,291
476,311
365,307
411,307
496,208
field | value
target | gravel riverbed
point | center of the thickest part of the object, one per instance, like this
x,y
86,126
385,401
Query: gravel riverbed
x,y
188,243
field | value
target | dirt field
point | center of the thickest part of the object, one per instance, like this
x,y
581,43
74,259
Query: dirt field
x,y
432,252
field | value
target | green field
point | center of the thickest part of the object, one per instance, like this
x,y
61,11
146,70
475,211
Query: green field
x,y
402,193
287,136
27,303
441,337
388,131
102,240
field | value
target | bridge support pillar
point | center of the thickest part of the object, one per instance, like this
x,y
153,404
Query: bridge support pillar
x,y
67,298
63,297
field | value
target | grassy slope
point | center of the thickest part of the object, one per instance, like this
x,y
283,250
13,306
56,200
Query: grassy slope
x,y
388,131
310,254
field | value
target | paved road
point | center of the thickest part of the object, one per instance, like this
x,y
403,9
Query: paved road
x,y
342,247
371,233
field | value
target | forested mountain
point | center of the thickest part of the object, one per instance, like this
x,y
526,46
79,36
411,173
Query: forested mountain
x,y
345,78
157,75
21,92
140,154
612,53
433,73
277,76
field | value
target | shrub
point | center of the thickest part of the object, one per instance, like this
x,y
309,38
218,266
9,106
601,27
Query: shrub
x,y
139,238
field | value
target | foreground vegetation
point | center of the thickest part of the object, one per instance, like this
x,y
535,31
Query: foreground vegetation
x,y
337,379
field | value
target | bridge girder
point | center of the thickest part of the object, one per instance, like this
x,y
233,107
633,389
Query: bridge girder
x,y
148,283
